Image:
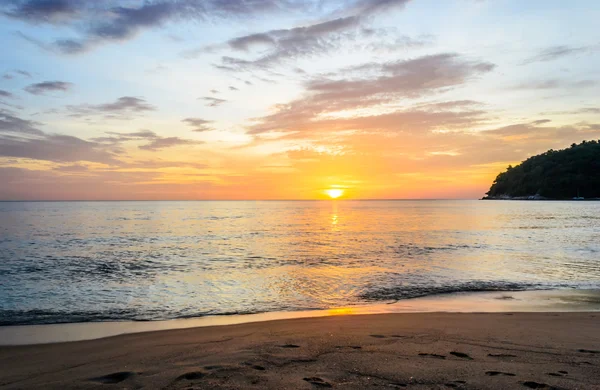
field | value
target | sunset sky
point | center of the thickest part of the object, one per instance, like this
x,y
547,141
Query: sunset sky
x,y
283,99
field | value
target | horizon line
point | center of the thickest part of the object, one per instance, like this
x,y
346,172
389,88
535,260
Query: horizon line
x,y
229,200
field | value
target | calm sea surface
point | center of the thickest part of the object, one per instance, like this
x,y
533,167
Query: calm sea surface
x,y
96,261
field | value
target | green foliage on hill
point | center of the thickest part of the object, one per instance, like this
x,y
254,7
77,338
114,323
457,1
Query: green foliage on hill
x,y
556,174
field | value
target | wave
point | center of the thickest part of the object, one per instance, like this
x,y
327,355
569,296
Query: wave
x,y
397,293
46,317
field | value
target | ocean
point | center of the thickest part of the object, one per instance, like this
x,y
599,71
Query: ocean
x,y
155,260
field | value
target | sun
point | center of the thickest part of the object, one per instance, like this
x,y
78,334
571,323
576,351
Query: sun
x,y
334,193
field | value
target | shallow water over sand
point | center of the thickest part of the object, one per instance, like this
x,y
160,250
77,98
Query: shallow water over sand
x,y
98,261
551,301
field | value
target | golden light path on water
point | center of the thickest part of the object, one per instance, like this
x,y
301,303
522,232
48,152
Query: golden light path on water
x,y
119,261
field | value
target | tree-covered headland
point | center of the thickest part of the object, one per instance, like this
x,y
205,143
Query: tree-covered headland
x,y
556,174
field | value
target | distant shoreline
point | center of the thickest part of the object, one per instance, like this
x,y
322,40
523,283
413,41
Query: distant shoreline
x,y
543,200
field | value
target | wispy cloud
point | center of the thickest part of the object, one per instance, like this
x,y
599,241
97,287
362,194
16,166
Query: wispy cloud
x,y
48,86
123,108
115,21
212,101
167,142
383,83
556,83
21,138
555,52
198,124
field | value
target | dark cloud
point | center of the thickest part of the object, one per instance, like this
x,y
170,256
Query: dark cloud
x,y
41,11
556,52
313,39
212,101
10,75
48,86
114,21
12,124
123,108
198,124
288,43
6,94
23,73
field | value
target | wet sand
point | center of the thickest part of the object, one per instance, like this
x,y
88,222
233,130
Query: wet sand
x,y
386,351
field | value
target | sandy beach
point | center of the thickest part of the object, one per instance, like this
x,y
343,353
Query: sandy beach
x,y
416,351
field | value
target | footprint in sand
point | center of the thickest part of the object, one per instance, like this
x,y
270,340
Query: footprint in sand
x,y
434,355
113,378
461,355
377,336
501,355
254,366
289,346
587,351
215,367
317,382
536,385
496,373
190,376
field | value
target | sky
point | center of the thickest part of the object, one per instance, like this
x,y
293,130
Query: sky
x,y
284,99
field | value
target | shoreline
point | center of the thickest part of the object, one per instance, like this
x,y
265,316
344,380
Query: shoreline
x,y
406,350
529,301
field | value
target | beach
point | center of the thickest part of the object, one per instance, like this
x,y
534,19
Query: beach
x,y
414,350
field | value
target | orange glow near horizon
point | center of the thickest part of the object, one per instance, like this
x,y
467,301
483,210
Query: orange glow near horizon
x,y
334,193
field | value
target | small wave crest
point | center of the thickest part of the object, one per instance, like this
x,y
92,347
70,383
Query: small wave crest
x,y
396,293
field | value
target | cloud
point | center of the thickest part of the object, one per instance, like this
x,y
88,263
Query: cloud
x,y
167,142
48,86
116,21
556,83
6,94
13,124
375,85
19,139
41,11
313,39
154,141
10,75
122,108
212,101
23,73
198,124
555,52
